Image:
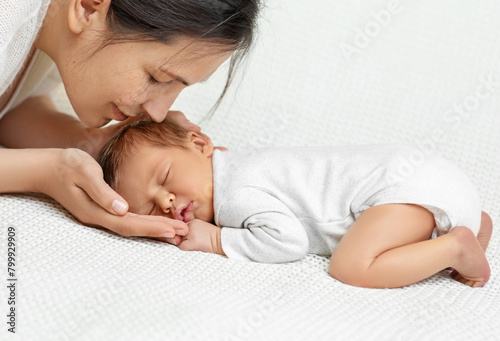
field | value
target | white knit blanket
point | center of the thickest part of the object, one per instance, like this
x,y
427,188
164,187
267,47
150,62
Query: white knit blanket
x,y
323,72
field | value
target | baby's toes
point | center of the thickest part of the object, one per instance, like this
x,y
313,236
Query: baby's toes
x,y
459,278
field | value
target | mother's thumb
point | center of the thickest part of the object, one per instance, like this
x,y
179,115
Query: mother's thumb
x,y
119,206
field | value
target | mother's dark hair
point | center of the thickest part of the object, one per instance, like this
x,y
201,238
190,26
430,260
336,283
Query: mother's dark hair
x,y
228,23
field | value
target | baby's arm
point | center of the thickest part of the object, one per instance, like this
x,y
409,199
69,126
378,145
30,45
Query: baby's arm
x,y
258,227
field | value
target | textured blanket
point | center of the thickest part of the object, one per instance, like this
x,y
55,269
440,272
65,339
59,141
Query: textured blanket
x,y
322,72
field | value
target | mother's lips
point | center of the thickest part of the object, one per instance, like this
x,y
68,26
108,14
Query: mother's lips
x,y
118,114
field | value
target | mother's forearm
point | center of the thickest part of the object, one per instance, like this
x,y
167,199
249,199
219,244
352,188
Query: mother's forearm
x,y
25,170
36,123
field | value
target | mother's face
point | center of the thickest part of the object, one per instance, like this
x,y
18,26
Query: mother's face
x,y
132,78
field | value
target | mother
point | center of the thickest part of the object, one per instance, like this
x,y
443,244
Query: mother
x,y
118,59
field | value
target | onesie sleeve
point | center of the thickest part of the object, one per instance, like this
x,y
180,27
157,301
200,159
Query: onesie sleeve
x,y
257,226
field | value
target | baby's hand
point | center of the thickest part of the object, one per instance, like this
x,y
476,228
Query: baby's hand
x,y
202,236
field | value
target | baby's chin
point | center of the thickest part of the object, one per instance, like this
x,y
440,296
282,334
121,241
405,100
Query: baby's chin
x,y
206,215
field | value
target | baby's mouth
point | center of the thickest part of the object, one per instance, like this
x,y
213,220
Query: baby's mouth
x,y
184,212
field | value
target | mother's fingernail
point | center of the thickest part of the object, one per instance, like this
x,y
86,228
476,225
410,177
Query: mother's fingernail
x,y
194,127
119,206
167,235
180,232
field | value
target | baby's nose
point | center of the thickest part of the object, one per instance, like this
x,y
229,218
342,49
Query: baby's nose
x,y
167,203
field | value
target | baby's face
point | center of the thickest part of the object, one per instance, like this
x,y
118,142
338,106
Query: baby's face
x,y
172,182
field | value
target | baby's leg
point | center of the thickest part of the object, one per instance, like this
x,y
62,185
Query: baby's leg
x,y
388,246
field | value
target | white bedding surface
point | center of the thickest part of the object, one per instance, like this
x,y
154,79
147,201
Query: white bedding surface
x,y
429,75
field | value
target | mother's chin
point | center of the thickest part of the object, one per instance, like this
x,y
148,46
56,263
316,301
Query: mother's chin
x,y
95,118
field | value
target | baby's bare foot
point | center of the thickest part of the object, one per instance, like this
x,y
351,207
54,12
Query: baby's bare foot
x,y
471,266
484,234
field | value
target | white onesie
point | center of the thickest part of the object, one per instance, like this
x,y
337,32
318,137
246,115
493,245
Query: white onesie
x,y
279,204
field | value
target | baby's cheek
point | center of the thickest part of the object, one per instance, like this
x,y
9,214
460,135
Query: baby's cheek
x,y
208,190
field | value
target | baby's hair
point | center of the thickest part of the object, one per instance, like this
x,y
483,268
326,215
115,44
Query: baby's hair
x,y
128,138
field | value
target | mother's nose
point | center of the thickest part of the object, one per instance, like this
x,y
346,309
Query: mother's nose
x,y
159,104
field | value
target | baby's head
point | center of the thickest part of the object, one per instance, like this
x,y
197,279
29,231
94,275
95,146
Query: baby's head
x,y
161,169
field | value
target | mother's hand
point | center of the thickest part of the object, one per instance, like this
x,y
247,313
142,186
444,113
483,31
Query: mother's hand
x,y
179,118
75,180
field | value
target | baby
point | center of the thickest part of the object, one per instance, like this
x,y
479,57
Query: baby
x,y
385,222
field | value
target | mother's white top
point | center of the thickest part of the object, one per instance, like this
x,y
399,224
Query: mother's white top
x,y
20,22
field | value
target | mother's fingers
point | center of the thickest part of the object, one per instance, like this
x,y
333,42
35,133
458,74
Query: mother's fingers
x,y
174,241
179,118
91,182
224,149
145,226
101,193
130,224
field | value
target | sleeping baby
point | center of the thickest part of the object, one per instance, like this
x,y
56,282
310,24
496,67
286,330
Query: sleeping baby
x,y
383,224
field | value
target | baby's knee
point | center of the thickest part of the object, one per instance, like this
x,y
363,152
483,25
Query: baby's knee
x,y
352,272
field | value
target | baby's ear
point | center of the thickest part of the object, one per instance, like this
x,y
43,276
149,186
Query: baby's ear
x,y
201,142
